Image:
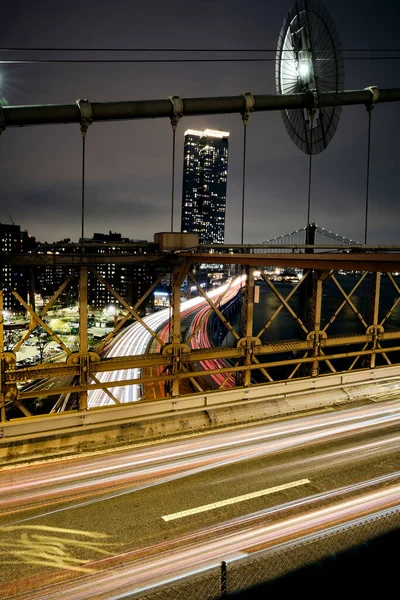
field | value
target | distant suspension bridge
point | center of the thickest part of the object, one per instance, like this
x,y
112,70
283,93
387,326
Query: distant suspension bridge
x,y
313,235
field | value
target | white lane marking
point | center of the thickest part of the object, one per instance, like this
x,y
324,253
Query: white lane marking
x,y
205,507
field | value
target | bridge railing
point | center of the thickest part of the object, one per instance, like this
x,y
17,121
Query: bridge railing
x,y
339,314
250,354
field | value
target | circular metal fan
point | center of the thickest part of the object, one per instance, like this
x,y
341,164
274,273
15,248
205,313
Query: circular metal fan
x,y
309,59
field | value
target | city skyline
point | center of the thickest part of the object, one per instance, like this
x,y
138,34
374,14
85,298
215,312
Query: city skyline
x,y
128,164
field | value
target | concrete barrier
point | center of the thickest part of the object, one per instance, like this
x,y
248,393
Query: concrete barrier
x,y
99,428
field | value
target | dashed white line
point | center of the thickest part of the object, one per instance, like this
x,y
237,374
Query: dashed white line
x,y
213,505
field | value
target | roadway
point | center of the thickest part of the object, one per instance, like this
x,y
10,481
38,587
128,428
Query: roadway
x,y
106,525
135,340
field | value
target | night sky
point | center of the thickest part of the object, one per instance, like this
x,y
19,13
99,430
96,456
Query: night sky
x,y
129,163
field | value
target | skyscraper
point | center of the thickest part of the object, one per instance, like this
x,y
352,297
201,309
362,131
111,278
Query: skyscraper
x,y
14,277
205,169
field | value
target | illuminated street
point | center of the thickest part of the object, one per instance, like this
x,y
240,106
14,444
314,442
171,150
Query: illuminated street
x,y
136,340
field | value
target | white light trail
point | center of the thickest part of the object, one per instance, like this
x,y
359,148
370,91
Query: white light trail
x,y
135,340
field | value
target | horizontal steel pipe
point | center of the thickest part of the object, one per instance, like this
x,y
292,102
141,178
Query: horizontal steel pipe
x,y
21,116
383,262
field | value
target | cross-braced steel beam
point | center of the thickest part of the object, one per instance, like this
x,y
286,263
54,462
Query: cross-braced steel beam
x,y
250,359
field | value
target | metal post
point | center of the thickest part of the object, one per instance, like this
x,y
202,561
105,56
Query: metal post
x,y
224,582
83,339
176,327
179,275
308,286
2,405
376,289
248,321
316,324
32,322
1,323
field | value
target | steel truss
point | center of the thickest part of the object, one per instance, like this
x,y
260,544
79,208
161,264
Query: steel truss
x,y
177,362
179,365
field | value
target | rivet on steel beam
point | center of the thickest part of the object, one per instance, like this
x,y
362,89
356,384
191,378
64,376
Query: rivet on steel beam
x,y
2,121
177,106
249,106
315,104
85,109
375,97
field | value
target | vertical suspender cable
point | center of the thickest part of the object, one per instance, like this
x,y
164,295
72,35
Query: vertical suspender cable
x,y
370,107
83,191
86,120
173,178
248,108
309,192
243,177
309,178
367,183
177,111
172,229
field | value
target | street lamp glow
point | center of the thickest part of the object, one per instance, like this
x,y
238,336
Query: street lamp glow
x,y
304,69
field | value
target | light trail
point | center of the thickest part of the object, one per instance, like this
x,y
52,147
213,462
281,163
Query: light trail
x,y
232,540
103,477
135,340
202,340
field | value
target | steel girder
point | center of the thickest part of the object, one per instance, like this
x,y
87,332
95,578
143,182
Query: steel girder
x,y
178,362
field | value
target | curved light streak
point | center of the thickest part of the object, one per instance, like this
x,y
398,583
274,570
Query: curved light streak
x,y
135,340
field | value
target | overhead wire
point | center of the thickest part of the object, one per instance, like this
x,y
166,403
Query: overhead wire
x,y
63,49
32,61
53,49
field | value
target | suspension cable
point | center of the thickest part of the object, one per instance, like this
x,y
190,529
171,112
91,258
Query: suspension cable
x,y
177,111
173,179
243,177
249,107
83,190
311,114
367,182
86,120
309,182
370,107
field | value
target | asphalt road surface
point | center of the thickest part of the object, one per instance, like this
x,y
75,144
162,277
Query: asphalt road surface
x,y
105,525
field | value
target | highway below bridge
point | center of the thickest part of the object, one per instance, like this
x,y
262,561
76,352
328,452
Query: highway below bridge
x,y
136,340
108,525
